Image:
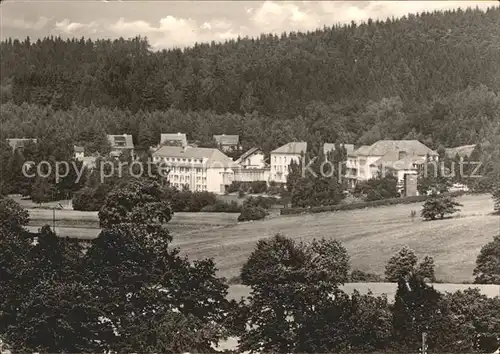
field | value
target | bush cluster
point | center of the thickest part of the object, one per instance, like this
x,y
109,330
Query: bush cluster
x,y
187,201
362,205
222,207
255,187
263,202
252,213
358,276
91,199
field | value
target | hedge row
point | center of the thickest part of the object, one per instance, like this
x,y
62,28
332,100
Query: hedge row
x,y
255,187
362,205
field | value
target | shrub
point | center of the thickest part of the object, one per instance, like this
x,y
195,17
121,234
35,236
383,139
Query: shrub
x,y
358,276
199,200
222,207
263,202
362,205
481,185
252,213
258,187
234,187
435,207
378,188
255,187
91,199
275,188
487,269
496,199
187,201
241,194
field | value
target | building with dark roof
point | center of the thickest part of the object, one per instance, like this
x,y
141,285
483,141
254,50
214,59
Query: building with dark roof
x,y
121,143
227,142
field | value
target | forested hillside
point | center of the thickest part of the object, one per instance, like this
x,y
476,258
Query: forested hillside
x,y
433,77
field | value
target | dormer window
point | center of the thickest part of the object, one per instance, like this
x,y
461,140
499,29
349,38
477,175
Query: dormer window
x,y
120,141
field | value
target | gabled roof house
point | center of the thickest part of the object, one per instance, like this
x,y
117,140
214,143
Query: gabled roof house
x,y
172,139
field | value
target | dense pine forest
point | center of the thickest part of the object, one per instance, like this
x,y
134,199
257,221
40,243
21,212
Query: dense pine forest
x,y
433,77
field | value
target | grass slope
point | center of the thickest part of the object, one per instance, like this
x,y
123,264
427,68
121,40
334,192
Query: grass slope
x,y
371,235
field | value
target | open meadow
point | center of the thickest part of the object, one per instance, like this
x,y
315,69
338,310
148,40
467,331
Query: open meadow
x,y
370,235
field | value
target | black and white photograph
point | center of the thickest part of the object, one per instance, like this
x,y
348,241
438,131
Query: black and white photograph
x,y
243,177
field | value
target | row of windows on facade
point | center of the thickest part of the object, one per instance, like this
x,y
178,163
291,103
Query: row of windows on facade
x,y
186,170
281,168
282,159
178,159
187,178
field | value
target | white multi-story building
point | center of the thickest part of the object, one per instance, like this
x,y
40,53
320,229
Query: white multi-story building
x,y
252,167
400,157
199,169
283,156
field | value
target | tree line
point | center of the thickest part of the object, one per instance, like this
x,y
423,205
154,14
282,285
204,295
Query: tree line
x,y
434,77
416,57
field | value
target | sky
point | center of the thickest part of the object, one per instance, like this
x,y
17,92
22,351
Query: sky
x,y
170,24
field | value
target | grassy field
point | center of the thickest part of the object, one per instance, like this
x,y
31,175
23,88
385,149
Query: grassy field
x,y
85,225
371,236
237,292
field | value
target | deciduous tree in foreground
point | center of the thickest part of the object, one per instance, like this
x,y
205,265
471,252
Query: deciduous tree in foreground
x,y
404,263
130,292
487,269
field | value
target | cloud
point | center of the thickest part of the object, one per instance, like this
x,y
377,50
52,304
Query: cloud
x,y
217,25
131,29
187,23
341,12
175,32
168,32
279,17
23,24
70,28
274,16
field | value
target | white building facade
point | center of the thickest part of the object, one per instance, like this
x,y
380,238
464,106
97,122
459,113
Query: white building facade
x,y
251,167
198,169
282,157
400,157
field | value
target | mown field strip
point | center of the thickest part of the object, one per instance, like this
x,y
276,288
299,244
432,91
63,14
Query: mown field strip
x,y
370,235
